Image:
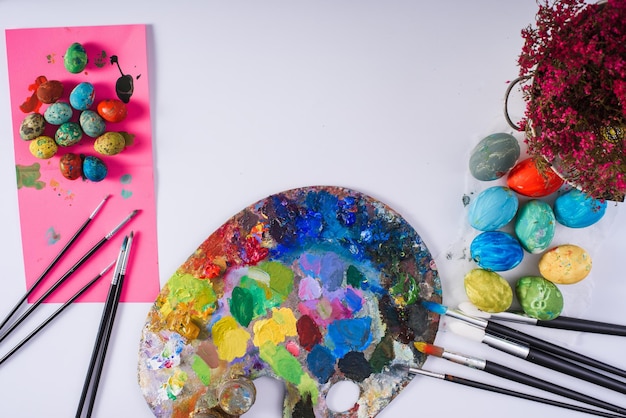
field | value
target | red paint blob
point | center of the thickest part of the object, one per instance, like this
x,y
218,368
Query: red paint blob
x,y
32,103
308,332
526,179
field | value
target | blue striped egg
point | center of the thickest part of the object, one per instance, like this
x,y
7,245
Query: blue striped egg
x,y
496,251
535,226
493,208
576,209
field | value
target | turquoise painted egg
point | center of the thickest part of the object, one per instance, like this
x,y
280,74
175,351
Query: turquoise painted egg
x,y
82,96
75,58
494,156
535,226
92,123
43,147
58,113
493,208
94,169
68,134
576,209
32,126
539,298
496,251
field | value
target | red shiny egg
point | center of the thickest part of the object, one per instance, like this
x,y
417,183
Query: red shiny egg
x,y
112,110
527,179
71,166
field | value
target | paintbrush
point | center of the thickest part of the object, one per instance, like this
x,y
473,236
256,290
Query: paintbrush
x,y
56,259
560,322
109,311
504,331
504,391
55,314
516,376
542,358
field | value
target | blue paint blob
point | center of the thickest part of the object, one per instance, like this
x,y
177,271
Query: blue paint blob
x,y
353,301
321,363
345,335
332,271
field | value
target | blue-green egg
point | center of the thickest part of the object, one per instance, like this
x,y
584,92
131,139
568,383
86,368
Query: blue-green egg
x,y
75,58
496,251
576,209
94,168
494,156
82,96
58,113
535,226
92,123
68,134
493,208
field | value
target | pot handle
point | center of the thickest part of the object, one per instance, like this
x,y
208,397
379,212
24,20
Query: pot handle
x,y
506,102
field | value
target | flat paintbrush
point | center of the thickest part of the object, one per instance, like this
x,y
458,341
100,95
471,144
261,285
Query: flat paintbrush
x,y
504,391
516,376
56,259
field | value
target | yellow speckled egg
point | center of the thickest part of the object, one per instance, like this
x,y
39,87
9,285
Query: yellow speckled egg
x,y
488,291
109,143
565,264
43,147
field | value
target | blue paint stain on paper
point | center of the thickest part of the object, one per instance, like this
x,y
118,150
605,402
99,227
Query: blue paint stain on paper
x,y
126,179
52,237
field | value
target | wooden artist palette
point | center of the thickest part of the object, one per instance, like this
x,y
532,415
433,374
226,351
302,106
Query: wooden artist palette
x,y
310,286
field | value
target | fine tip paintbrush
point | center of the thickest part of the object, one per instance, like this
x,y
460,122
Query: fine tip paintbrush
x,y
507,332
541,358
516,376
53,263
560,322
109,311
496,389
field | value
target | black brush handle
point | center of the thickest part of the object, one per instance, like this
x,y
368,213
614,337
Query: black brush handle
x,y
564,366
521,395
584,325
546,346
514,375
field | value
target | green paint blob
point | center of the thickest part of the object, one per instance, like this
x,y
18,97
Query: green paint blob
x,y
202,370
354,277
281,277
242,306
126,193
28,176
382,355
259,292
406,288
184,288
285,365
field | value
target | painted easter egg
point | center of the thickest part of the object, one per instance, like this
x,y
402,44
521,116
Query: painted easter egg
x,y
311,286
94,169
488,291
528,180
535,226
112,110
43,147
82,96
565,264
539,298
496,250
58,113
49,91
493,208
32,126
92,123
494,156
109,143
71,166
576,209
75,58
68,134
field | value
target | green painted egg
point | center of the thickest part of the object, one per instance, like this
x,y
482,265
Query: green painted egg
x,y
109,143
75,59
43,147
488,291
535,226
68,134
540,298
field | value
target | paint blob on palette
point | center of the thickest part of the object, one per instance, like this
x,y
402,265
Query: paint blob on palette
x,y
311,286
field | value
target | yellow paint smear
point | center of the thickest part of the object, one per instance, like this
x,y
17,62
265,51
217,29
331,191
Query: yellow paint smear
x,y
230,339
276,329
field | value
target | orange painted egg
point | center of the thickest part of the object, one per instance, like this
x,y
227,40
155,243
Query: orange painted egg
x,y
528,180
112,110
71,166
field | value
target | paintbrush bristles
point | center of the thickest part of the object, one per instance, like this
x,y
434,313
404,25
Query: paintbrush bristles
x,y
431,350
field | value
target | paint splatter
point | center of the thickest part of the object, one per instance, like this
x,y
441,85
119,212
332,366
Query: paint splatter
x,y
52,236
101,59
28,176
32,103
126,179
51,58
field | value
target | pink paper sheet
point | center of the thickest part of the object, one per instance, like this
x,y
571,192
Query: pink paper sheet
x,y
52,207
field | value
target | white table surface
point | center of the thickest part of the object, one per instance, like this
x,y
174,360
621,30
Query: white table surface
x,y
250,98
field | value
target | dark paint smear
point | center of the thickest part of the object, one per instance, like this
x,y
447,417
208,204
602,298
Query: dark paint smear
x,y
321,363
303,408
354,366
308,332
124,86
382,355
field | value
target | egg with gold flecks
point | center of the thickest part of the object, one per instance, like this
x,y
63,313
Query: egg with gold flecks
x,y
576,209
494,156
535,226
496,250
493,208
528,179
